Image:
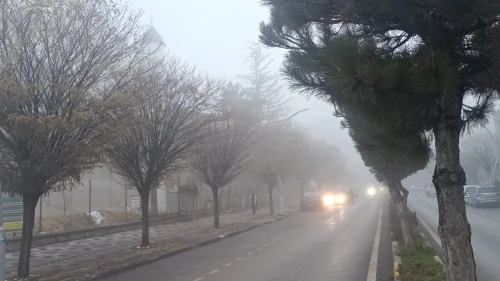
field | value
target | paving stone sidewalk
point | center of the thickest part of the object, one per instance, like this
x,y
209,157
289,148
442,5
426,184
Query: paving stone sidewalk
x,y
84,259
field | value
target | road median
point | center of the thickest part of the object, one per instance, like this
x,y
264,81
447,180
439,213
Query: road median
x,y
109,264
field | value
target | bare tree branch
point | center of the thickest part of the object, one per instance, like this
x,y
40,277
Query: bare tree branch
x,y
225,156
174,105
61,63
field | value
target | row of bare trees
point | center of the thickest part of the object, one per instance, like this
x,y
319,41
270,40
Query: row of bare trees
x,y
78,89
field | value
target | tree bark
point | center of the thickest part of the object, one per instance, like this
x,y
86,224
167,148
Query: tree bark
x,y
154,202
403,216
145,217
403,191
449,179
215,195
29,208
271,203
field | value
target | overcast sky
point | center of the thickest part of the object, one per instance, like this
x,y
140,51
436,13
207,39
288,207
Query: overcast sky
x,y
214,36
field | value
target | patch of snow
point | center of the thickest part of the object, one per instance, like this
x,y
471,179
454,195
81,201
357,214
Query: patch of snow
x,y
97,217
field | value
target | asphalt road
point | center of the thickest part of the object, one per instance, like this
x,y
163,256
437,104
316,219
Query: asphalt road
x,y
485,224
334,245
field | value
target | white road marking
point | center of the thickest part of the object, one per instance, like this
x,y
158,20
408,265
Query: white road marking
x,y
272,242
267,245
227,264
249,253
372,269
238,259
432,232
213,271
279,239
198,279
258,249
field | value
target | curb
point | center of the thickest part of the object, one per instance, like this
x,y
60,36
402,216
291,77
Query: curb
x,y
397,260
175,251
431,238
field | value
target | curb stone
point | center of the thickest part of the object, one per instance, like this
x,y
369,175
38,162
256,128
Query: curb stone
x,y
108,272
397,260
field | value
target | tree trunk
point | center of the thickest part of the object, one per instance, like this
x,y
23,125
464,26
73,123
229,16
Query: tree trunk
x,y
215,195
29,208
145,217
154,202
403,216
403,191
449,179
271,203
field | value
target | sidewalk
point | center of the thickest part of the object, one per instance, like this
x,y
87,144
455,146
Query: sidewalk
x,y
106,255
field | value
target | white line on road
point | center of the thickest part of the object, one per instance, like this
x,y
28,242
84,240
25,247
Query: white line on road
x,y
249,253
227,264
372,269
213,271
432,232
272,242
267,245
279,239
258,249
198,279
238,259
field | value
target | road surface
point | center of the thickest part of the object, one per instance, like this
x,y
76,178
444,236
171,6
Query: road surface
x,y
485,224
335,245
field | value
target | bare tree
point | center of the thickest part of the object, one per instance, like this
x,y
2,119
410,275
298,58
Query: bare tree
x,y
262,92
174,106
274,155
334,172
312,155
225,155
481,148
61,64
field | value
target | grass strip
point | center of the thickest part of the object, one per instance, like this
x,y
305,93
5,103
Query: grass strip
x,y
420,265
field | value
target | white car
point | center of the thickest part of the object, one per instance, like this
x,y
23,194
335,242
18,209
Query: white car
x,y
468,189
430,190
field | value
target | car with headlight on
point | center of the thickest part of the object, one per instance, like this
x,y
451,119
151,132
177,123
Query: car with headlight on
x,y
318,200
311,200
371,191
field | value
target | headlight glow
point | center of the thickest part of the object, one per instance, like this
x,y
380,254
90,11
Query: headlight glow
x,y
328,200
340,199
371,191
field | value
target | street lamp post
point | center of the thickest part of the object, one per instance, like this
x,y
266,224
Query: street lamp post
x,y
276,175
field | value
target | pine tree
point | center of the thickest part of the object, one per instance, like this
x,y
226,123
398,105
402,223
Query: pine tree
x,y
421,56
262,88
392,153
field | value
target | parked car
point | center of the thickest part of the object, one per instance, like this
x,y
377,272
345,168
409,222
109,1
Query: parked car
x,y
468,189
484,195
430,190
